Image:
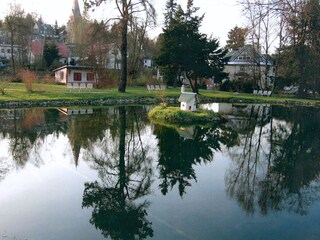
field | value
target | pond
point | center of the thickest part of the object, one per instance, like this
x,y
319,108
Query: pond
x,y
109,173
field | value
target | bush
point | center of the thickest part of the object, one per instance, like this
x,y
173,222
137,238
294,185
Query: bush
x,y
240,86
46,78
4,84
175,115
227,86
28,78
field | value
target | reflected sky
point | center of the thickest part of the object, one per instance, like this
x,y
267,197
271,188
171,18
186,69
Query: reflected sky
x,y
82,176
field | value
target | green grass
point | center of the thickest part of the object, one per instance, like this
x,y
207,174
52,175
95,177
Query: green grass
x,y
52,92
48,92
164,114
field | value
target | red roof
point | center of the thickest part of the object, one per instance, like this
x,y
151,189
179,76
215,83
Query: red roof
x,y
38,46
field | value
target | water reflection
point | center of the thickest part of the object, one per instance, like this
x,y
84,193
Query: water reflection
x,y
125,176
181,149
273,151
276,163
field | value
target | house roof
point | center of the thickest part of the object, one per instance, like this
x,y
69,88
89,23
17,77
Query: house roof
x,y
248,55
37,47
74,67
186,97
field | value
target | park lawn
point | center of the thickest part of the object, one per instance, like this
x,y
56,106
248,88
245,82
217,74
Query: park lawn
x,y
53,92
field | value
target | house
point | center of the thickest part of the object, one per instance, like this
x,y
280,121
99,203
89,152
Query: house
x,y
75,74
247,63
6,52
147,63
37,51
187,100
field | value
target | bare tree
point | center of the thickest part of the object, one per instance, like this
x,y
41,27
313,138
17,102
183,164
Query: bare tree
x,y
127,9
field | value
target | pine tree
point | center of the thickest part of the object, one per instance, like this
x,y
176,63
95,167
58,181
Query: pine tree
x,y
183,49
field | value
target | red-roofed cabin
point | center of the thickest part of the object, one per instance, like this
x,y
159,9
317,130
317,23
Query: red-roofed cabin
x,y
75,74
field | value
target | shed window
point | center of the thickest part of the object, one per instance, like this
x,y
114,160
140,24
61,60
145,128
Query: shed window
x,y
77,76
61,75
90,76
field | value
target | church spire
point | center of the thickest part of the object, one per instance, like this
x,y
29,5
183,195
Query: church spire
x,y
76,9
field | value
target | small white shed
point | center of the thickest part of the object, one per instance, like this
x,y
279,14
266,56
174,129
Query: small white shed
x,y
75,74
188,101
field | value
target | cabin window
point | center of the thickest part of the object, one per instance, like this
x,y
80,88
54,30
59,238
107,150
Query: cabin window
x,y
242,68
77,76
90,76
61,75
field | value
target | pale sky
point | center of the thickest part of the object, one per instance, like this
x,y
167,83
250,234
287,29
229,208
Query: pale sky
x,y
220,15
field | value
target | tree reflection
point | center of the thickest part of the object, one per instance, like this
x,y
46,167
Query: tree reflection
x,y
125,176
277,164
26,130
180,151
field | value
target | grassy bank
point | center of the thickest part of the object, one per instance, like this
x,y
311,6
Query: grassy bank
x,y
16,92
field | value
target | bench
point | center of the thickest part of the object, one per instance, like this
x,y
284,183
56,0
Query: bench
x,y
79,86
156,87
262,93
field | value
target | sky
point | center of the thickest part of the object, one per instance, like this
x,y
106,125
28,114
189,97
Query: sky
x,y
220,15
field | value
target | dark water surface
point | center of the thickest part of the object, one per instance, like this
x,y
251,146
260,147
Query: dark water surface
x,y
111,173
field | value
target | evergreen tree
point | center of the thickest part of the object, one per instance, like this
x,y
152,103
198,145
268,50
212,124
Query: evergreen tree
x,y
50,53
184,50
171,9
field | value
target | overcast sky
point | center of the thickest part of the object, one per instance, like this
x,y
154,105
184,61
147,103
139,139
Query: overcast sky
x,y
220,15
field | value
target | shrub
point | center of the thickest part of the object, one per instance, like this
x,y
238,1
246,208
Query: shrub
x,y
28,78
227,86
175,115
47,78
4,84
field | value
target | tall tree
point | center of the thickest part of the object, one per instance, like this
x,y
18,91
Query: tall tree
x,y
236,38
19,27
182,38
127,9
171,9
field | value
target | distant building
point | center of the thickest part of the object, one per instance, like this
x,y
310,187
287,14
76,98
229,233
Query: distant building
x,y
6,52
147,63
75,26
248,63
36,51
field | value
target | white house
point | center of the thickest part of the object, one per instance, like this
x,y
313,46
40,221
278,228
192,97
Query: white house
x,y
6,52
147,63
187,100
75,74
248,63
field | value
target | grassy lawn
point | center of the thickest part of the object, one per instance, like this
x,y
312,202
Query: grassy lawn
x,y
48,92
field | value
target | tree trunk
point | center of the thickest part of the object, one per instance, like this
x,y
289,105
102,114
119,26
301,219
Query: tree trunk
x,y
123,50
12,55
122,144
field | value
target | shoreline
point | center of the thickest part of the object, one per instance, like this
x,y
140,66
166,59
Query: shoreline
x,y
144,100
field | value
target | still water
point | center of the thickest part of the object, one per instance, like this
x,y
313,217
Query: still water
x,y
109,173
